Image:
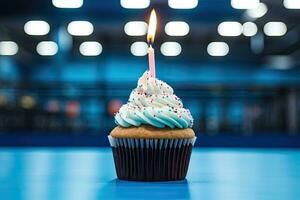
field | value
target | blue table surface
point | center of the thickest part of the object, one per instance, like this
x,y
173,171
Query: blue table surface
x,y
88,174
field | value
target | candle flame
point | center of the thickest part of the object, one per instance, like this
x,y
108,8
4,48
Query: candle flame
x,y
151,27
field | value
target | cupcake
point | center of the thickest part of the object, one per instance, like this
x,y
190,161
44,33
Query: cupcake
x,y
153,138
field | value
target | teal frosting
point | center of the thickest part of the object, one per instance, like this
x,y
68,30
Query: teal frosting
x,y
153,102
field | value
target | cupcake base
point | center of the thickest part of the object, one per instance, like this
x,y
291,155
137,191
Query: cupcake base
x,y
151,159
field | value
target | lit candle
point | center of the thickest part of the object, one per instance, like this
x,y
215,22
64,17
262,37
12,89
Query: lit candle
x,y
150,39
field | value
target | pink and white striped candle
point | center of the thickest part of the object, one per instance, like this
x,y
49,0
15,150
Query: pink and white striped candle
x,y
151,58
150,39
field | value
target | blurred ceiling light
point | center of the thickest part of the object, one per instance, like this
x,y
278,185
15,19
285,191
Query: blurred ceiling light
x,y
180,4
244,4
47,48
230,28
8,48
67,3
275,29
291,4
249,29
90,48
170,48
258,12
177,28
139,49
80,28
136,28
135,4
36,27
217,49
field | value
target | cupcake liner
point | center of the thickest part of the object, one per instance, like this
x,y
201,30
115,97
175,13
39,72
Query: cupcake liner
x,y
151,159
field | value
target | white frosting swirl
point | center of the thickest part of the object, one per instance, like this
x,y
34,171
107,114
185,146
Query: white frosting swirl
x,y
153,103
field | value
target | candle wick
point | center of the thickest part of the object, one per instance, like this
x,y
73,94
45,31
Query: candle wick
x,y
150,43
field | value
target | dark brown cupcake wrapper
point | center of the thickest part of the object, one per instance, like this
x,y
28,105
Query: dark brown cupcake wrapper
x,y
151,159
